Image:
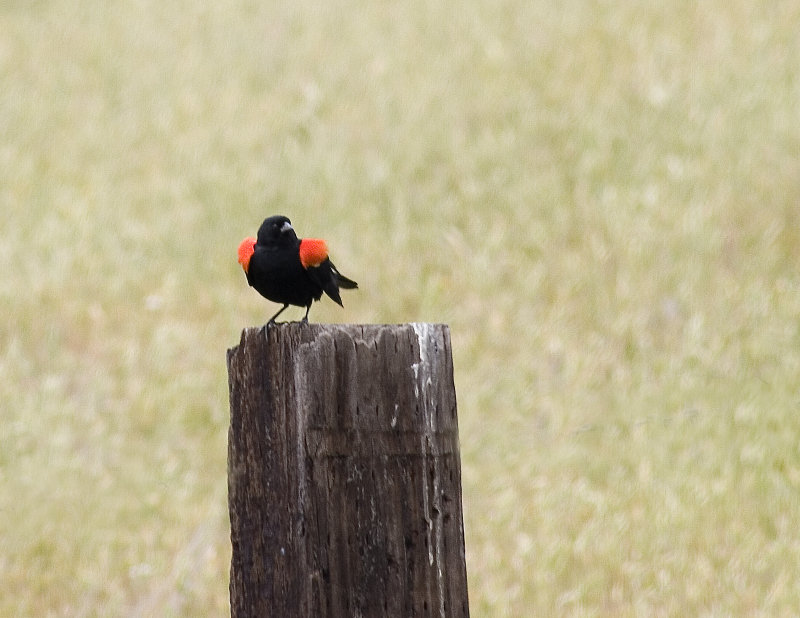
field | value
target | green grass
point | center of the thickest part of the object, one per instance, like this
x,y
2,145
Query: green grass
x,y
602,200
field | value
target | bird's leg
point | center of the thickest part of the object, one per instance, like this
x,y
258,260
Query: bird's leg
x,y
272,319
305,317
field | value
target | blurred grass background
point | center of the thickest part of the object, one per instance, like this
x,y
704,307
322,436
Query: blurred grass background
x,y
602,199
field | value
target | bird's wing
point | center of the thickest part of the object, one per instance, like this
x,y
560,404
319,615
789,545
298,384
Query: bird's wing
x,y
313,252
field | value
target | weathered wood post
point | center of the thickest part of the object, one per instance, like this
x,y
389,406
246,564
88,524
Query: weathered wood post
x,y
344,477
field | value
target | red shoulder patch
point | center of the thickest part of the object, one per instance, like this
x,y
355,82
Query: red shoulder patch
x,y
246,249
313,252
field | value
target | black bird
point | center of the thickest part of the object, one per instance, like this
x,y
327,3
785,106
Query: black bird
x,y
285,269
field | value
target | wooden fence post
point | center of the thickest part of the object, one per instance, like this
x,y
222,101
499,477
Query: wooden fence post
x,y
344,477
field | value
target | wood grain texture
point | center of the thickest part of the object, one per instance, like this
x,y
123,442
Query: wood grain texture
x,y
344,476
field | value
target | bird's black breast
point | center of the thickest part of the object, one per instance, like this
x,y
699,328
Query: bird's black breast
x,y
277,274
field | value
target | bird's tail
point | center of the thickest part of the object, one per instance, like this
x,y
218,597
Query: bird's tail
x,y
342,281
345,283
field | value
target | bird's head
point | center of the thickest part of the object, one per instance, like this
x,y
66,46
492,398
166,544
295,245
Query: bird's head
x,y
276,231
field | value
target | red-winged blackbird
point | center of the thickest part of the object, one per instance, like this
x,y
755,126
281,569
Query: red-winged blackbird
x,y
285,269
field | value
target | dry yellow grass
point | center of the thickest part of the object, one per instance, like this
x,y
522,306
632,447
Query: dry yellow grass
x,y
602,200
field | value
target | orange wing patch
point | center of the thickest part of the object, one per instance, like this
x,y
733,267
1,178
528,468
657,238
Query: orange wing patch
x,y
246,252
313,252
